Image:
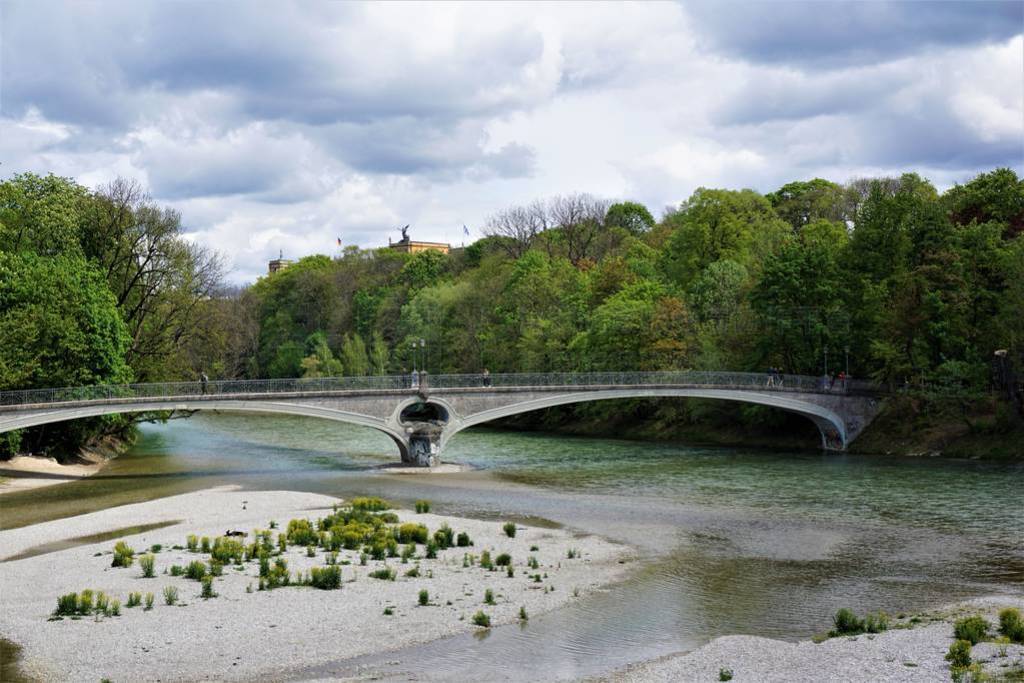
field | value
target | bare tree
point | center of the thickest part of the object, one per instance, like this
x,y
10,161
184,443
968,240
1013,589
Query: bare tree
x,y
579,217
518,226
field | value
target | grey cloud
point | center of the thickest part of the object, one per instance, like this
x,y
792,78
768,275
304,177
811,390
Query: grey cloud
x,y
828,34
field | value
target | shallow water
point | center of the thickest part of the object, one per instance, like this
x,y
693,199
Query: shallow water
x,y
731,541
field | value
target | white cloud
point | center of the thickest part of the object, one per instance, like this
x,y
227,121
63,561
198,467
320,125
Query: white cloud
x,y
276,126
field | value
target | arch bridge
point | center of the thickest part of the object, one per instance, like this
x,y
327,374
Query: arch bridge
x,y
421,415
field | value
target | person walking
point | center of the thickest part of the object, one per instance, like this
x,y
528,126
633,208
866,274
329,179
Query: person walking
x,y
487,377
415,379
771,377
204,381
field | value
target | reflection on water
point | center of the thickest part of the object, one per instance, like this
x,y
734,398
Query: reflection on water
x,y
732,541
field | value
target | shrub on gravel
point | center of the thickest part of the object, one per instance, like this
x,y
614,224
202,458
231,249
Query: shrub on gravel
x,y
385,574
149,601
170,595
368,504
424,597
207,582
422,506
1011,625
195,570
510,529
326,578
481,619
503,560
463,540
148,564
192,543
959,655
488,597
123,555
972,629
412,533
725,674
846,623
67,605
134,600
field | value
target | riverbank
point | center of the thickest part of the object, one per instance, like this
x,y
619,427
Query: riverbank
x,y
241,635
25,472
910,651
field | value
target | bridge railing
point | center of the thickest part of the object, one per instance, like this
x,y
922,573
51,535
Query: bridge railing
x,y
391,383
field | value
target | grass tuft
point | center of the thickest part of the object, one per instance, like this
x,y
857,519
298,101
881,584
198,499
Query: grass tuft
x,y
170,595
510,529
148,564
481,619
123,555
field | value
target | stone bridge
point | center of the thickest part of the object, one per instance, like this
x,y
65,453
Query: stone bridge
x,y
421,415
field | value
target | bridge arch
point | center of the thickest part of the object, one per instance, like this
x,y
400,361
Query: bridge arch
x,y
830,425
32,418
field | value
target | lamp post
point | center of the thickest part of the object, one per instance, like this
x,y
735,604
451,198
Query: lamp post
x,y
414,356
423,351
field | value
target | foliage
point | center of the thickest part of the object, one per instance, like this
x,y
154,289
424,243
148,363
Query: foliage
x,y
510,529
424,597
482,619
148,564
170,596
422,506
972,629
326,578
1011,625
959,655
123,555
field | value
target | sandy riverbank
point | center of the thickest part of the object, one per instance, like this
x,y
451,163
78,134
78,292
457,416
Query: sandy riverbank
x,y
899,654
29,472
240,635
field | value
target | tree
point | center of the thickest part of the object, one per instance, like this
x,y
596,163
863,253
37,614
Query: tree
x,y
997,196
579,218
631,216
516,227
353,356
801,203
378,355
721,224
41,214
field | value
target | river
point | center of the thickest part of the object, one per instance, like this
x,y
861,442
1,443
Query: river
x,y
731,541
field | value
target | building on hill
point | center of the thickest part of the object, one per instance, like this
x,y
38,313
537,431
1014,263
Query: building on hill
x,y
408,246
280,263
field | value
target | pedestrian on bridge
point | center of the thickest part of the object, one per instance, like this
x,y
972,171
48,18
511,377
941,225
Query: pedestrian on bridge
x,y
487,378
203,381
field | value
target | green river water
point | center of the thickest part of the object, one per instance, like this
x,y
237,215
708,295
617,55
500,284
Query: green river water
x,y
731,541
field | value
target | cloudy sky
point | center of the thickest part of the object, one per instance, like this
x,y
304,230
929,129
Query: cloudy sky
x,y
285,125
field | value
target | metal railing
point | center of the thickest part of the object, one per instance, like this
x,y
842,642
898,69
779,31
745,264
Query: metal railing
x,y
404,383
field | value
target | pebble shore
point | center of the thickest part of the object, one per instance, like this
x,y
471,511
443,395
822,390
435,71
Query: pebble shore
x,y
265,634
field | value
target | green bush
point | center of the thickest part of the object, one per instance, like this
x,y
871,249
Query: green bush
x,y
488,597
102,602
369,504
571,553
414,572
195,570
509,571
170,595
148,564
846,623
522,614
431,550
85,602
326,578
155,548
385,574
134,600
67,605
422,506
301,532
204,544
424,597
227,550
444,537
388,611
959,655
876,623
412,533
485,560
123,555
177,570
481,619
150,598
463,540
207,582
532,562
216,568
115,608
192,543
1011,625
503,560
725,674
972,629
510,529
